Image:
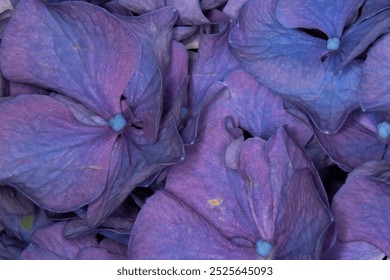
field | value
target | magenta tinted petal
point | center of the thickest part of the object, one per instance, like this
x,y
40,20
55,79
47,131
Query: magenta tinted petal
x,y
75,48
375,85
176,231
361,206
283,59
47,154
232,195
286,196
327,16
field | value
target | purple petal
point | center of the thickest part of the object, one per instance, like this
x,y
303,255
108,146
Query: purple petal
x,y
144,90
246,97
356,250
49,243
359,133
244,205
207,68
372,7
175,231
142,6
375,85
46,153
322,15
361,206
290,62
232,8
283,59
10,247
66,51
358,38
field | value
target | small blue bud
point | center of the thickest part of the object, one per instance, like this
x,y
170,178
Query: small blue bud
x,y
383,129
333,44
117,122
263,248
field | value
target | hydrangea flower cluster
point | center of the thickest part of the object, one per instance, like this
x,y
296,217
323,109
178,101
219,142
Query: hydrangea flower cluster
x,y
210,129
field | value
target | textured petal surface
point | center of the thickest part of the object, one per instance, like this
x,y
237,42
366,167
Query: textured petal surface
x,y
247,95
241,191
357,250
47,154
358,38
49,243
74,48
283,59
357,134
327,16
175,231
296,65
375,85
144,92
361,206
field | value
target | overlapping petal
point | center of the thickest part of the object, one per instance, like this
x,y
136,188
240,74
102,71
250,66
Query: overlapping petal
x,y
60,163
375,85
88,54
328,16
241,192
361,207
358,133
296,65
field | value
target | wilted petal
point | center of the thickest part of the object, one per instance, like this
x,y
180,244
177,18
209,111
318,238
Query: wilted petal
x,y
361,206
75,48
47,154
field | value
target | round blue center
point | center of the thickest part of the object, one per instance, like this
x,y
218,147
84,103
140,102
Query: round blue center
x,y
333,44
117,122
383,129
263,248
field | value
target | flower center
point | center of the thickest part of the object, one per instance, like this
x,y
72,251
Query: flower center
x,y
263,248
383,129
333,44
117,122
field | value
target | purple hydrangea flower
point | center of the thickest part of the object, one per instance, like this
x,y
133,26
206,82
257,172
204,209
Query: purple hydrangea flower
x,y
306,50
86,144
235,199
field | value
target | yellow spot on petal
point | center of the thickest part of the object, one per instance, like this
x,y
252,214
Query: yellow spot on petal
x,y
27,222
215,202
